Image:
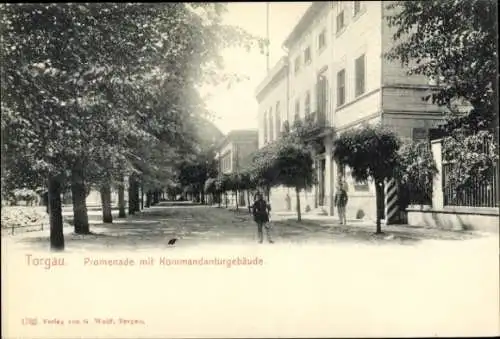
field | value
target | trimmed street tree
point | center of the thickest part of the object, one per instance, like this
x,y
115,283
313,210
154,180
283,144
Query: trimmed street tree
x,y
247,184
371,153
294,166
210,189
262,171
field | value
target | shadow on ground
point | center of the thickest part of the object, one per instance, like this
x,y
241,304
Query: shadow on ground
x,y
401,234
195,225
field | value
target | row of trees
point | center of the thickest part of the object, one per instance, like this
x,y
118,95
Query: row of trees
x,y
287,161
372,152
430,39
93,93
454,43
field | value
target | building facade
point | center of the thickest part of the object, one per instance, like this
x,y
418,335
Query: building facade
x,y
335,72
234,153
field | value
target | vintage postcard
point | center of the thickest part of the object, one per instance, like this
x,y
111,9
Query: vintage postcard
x,y
250,169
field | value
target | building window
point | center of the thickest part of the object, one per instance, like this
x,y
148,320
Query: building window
x,y
265,127
341,87
278,119
226,163
307,104
357,7
360,75
297,64
307,55
321,95
297,109
419,134
271,129
340,21
322,40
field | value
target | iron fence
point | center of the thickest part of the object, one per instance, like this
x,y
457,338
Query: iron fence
x,y
24,228
479,193
417,195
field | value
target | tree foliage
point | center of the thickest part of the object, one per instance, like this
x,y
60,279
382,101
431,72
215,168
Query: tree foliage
x,y
474,158
455,43
109,87
371,153
286,161
416,172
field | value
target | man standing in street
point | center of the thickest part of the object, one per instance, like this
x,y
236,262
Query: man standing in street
x,y
341,202
260,211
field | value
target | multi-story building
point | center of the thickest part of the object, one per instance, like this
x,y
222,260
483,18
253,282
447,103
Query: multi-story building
x,y
335,73
234,153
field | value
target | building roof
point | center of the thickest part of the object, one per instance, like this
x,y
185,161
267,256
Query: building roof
x,y
305,21
272,76
237,134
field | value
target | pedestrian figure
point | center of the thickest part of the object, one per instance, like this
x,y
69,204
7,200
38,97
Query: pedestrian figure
x,y
341,202
288,202
260,210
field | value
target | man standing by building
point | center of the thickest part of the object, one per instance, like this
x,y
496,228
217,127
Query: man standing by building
x,y
341,202
260,211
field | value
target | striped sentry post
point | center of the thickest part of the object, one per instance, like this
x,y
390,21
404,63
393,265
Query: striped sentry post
x,y
391,202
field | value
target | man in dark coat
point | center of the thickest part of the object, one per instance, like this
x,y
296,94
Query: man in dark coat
x,y
260,210
341,199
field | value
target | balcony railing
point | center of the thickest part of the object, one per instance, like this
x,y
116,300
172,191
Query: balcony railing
x,y
316,118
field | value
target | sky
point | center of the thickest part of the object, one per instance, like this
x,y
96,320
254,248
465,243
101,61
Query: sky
x,y
236,107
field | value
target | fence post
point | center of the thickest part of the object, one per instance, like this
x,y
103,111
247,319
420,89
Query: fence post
x,y
437,184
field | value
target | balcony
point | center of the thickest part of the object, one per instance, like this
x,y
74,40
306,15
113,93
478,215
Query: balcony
x,y
315,124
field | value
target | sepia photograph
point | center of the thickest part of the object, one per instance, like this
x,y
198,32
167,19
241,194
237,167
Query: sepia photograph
x,y
250,169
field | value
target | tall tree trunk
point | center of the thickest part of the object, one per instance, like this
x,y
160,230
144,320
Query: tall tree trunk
x,y
45,198
56,220
379,195
142,197
131,195
236,199
203,198
297,195
107,216
248,199
225,198
148,199
137,206
121,200
155,197
78,197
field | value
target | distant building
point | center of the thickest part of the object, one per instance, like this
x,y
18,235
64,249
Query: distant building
x,y
335,74
234,152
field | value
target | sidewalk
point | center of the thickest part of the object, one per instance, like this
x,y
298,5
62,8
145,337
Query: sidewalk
x,y
328,227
